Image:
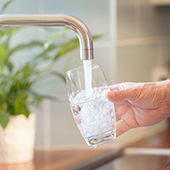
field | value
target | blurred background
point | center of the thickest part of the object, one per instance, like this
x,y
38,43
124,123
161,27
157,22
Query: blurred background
x,y
134,47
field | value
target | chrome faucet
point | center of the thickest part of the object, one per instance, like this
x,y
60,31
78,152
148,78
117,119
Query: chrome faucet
x,y
83,33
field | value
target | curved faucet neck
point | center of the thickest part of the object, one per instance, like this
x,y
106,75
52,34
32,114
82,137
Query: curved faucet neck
x,y
62,20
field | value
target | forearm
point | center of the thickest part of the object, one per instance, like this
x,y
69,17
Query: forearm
x,y
166,88
163,87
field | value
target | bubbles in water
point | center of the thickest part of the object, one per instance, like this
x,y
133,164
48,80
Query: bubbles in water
x,y
97,115
76,109
94,146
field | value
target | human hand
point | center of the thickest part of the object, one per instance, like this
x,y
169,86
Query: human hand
x,y
140,104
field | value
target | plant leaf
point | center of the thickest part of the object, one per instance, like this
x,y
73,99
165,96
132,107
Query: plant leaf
x,y
37,97
70,46
58,33
26,112
60,75
67,47
4,7
4,118
26,46
53,36
10,66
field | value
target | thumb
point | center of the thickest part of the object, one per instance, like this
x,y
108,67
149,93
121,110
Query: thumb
x,y
116,96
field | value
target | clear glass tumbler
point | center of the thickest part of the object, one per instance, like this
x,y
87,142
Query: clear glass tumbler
x,y
94,114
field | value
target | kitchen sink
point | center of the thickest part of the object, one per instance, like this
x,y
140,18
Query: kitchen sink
x,y
131,159
142,159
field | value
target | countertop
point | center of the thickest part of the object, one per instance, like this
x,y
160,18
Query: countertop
x,y
83,158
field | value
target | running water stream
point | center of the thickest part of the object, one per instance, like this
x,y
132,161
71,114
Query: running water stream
x,y
88,77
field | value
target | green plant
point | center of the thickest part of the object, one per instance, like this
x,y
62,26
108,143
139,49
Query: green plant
x,y
17,83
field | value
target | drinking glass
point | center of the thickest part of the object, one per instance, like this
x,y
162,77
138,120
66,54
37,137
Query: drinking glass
x,y
93,113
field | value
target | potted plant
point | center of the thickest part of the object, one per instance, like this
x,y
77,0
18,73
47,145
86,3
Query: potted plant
x,y
17,93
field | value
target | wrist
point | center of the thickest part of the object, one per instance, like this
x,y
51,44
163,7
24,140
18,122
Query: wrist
x,y
165,86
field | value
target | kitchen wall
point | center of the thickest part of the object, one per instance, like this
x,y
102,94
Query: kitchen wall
x,y
143,40
143,50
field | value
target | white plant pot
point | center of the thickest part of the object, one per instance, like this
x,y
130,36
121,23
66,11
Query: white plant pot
x,y
17,139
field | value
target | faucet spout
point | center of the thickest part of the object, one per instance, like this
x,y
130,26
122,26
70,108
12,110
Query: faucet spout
x,y
62,20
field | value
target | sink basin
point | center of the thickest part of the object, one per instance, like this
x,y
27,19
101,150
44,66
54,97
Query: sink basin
x,y
143,159
131,159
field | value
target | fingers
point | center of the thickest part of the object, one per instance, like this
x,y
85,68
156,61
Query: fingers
x,y
121,95
122,128
122,86
118,96
120,109
122,91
